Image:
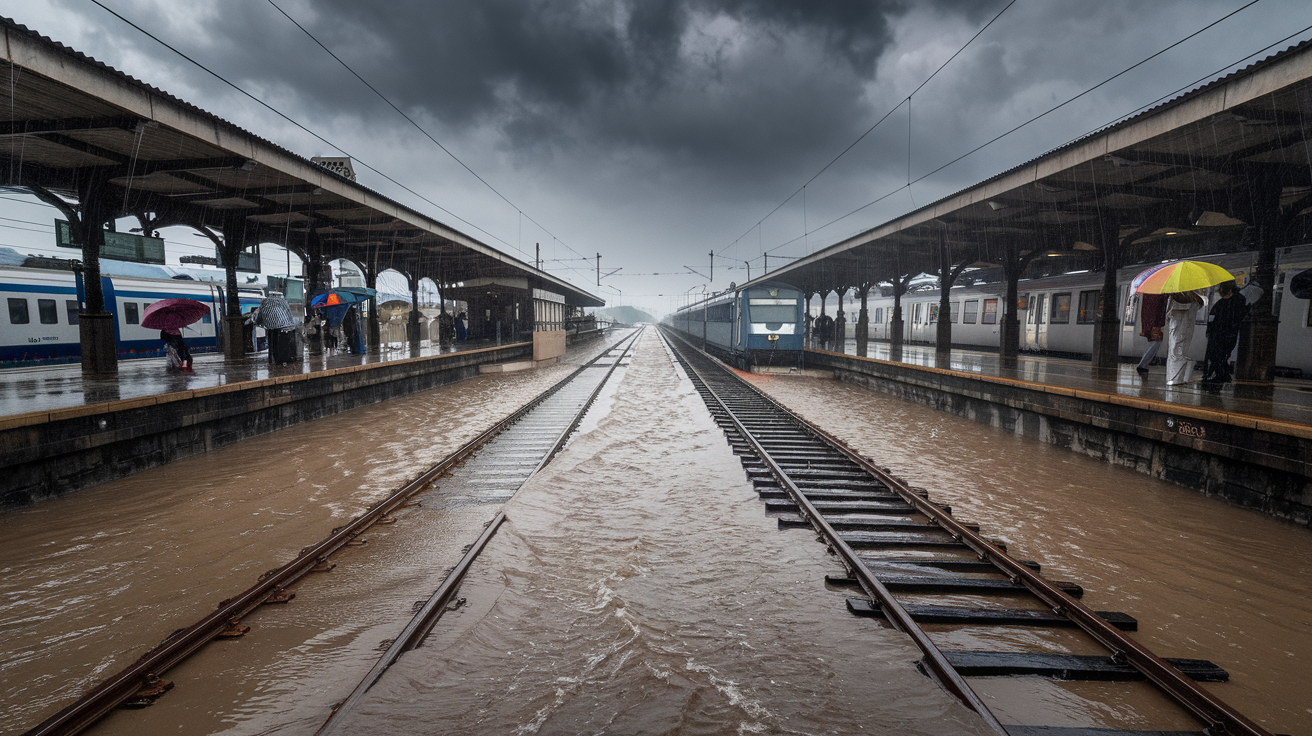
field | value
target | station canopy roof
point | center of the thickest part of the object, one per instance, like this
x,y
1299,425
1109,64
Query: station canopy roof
x,y
71,117
1181,179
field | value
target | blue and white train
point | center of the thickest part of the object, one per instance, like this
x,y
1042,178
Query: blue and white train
x,y
759,326
1057,313
39,325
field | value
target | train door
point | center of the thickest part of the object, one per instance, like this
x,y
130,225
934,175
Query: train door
x,y
1029,334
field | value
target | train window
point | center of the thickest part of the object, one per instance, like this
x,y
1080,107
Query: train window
x,y
1131,305
933,313
1030,303
990,316
953,310
772,310
879,315
47,311
1061,309
915,314
71,307
1039,309
18,311
972,308
130,314
1088,313
206,319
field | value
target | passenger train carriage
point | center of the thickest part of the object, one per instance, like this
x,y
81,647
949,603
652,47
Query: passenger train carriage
x,y
759,326
1058,313
39,324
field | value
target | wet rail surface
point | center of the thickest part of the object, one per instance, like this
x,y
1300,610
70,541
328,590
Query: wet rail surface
x,y
920,567
486,470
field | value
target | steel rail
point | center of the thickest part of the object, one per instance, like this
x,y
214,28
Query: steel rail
x,y
113,691
937,664
426,618
1218,716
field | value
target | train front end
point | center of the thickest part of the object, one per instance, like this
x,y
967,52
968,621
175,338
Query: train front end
x,y
772,326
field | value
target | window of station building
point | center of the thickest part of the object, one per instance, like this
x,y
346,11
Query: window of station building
x,y
972,310
1088,313
71,308
1061,309
48,311
18,311
131,314
990,316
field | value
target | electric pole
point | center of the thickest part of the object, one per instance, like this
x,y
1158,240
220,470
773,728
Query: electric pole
x,y
598,270
538,257
712,265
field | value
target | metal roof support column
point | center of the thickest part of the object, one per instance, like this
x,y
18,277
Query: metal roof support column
x,y
1107,331
806,322
840,323
896,327
372,337
1013,267
825,331
412,329
863,322
1271,224
234,240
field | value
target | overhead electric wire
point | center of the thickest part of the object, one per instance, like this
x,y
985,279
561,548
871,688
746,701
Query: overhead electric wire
x,y
418,127
1063,104
289,119
870,129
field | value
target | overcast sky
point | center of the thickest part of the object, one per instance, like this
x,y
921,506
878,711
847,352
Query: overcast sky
x,y
656,131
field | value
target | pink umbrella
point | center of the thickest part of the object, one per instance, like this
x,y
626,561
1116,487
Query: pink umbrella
x,y
173,314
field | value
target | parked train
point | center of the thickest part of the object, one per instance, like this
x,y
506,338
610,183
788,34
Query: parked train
x,y
760,326
40,323
1058,313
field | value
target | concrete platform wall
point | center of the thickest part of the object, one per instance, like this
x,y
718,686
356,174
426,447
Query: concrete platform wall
x,y
1261,464
47,454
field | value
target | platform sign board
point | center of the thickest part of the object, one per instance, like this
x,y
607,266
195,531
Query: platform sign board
x,y
118,246
248,261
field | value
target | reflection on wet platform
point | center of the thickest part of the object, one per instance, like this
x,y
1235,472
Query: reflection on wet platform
x,y
56,387
1288,400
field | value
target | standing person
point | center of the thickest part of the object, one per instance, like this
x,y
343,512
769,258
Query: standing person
x,y
1223,333
351,330
1181,312
1152,321
462,328
176,349
840,331
824,328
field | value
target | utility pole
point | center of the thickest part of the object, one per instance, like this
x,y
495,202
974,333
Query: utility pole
x,y
712,265
749,270
537,259
598,270
767,263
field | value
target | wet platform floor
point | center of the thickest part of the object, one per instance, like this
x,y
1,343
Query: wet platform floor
x,y
46,388
1288,400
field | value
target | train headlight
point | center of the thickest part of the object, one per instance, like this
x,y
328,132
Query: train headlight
x,y
772,338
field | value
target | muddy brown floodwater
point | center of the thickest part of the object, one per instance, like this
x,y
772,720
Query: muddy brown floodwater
x,y
1205,578
639,588
92,580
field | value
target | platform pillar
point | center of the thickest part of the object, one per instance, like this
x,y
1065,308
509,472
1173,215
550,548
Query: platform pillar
x,y
863,323
96,332
1271,222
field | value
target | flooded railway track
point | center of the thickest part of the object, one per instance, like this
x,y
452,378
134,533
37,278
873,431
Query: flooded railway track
x,y
487,469
900,549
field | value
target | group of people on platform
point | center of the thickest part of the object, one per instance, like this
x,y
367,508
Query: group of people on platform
x,y
828,332
1170,318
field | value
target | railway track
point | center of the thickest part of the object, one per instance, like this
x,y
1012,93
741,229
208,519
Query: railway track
x,y
487,469
901,549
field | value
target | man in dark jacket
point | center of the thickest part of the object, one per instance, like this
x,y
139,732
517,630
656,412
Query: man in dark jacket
x,y
1223,322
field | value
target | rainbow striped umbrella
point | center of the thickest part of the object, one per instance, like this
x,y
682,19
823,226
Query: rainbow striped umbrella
x,y
1180,276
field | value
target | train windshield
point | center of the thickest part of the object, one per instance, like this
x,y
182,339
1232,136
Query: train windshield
x,y
773,311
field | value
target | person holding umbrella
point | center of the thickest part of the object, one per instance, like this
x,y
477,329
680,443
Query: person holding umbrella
x,y
169,316
1182,280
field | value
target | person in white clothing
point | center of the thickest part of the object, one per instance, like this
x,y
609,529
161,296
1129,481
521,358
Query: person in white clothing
x,y
1181,312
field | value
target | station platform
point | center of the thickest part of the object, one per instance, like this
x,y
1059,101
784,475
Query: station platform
x,y
1285,401
48,388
